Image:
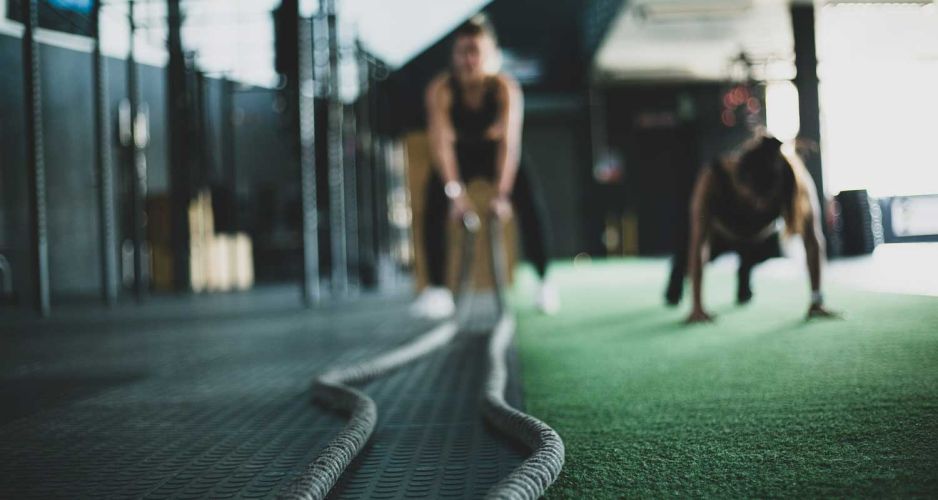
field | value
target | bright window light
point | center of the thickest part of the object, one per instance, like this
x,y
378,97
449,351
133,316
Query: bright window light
x,y
781,109
879,98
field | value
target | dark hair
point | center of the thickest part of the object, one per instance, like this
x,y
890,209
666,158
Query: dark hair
x,y
476,25
762,167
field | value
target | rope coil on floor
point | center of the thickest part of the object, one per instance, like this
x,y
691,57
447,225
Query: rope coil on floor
x,y
333,389
532,478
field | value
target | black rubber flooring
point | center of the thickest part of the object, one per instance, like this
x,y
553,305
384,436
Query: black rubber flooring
x,y
208,397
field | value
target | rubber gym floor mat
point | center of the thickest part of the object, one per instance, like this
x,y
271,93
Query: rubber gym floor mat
x,y
431,441
172,406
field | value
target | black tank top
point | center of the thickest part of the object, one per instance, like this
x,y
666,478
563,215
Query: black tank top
x,y
475,154
732,213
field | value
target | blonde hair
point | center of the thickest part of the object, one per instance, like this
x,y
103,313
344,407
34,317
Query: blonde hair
x,y
476,25
480,25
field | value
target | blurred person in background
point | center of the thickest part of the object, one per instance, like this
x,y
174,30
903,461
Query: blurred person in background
x,y
736,206
474,120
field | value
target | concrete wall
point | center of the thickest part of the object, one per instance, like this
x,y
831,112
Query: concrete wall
x,y
261,150
71,175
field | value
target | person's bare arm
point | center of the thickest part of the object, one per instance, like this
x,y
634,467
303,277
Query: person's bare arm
x,y
698,249
440,129
442,136
507,132
814,246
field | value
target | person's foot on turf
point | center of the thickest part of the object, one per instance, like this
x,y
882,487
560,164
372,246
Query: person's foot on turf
x,y
818,311
435,302
547,299
698,315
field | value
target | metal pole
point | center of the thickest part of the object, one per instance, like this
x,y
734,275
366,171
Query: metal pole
x,y
379,156
367,259
199,125
229,158
137,165
178,125
350,140
307,136
102,131
35,156
338,233
382,219
806,81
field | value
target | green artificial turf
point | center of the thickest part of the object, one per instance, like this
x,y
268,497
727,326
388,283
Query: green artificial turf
x,y
760,403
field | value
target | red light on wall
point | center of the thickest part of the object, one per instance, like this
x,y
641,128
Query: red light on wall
x,y
728,101
753,105
728,118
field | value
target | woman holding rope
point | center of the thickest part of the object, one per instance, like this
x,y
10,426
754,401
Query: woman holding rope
x,y
474,121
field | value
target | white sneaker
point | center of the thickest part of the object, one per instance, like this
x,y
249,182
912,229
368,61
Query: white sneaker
x,y
547,299
435,302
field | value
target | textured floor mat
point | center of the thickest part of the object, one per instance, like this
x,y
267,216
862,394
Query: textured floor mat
x,y
431,441
178,401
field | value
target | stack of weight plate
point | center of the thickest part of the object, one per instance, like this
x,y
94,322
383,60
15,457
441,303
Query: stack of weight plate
x,y
859,226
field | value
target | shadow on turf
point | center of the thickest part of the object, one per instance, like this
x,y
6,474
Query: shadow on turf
x,y
612,323
670,321
633,322
800,324
730,309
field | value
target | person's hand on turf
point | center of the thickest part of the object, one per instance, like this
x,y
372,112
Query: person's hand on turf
x,y
501,207
819,311
698,315
459,206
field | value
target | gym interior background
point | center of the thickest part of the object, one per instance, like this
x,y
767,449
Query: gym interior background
x,y
622,107
164,152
